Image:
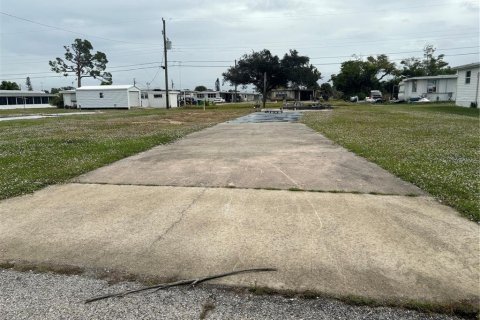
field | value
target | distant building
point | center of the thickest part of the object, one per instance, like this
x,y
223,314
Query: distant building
x,y
108,97
158,98
434,88
18,99
208,95
468,92
229,96
292,94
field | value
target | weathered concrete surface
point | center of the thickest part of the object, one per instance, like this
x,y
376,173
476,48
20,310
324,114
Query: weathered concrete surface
x,y
267,155
391,247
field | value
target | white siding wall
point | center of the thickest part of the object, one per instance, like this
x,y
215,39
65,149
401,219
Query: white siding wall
x,y
90,99
466,92
173,100
153,102
159,102
69,99
134,98
446,89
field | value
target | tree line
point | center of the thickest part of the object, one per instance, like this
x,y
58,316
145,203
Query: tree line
x,y
265,71
357,76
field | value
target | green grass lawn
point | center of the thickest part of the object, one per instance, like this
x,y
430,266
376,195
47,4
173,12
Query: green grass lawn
x,y
37,153
435,146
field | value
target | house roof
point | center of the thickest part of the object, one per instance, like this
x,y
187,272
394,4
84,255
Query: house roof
x,y
109,87
161,91
445,76
468,66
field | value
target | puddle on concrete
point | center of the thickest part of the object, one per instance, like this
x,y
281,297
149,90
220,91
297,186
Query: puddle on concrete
x,y
40,116
262,117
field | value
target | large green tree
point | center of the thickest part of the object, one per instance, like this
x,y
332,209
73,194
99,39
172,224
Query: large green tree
x,y
358,77
430,65
9,85
266,72
200,88
326,90
299,72
82,62
261,69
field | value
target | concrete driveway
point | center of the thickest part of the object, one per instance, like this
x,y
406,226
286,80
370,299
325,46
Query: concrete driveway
x,y
194,208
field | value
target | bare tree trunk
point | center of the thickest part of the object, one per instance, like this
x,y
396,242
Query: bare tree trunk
x,y
79,69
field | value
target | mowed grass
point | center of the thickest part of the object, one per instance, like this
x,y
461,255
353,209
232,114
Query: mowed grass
x,y
435,146
37,153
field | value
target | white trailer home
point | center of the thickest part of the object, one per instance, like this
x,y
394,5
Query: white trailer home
x,y
468,93
158,98
113,96
18,99
434,88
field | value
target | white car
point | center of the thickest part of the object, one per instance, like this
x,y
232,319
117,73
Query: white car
x,y
218,100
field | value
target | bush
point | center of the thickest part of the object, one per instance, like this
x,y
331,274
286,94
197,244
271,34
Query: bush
x,y
473,105
57,101
361,96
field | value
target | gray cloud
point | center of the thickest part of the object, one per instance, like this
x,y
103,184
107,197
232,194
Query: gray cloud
x,y
215,33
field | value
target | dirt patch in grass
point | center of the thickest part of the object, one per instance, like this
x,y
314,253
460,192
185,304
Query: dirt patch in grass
x,y
436,147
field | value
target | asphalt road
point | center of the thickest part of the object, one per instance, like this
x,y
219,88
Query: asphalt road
x,y
47,296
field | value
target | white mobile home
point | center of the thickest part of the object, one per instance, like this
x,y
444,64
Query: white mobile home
x,y
468,93
18,99
158,98
434,88
208,95
69,98
113,96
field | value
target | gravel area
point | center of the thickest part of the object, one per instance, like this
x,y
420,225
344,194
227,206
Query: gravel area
x,y
28,295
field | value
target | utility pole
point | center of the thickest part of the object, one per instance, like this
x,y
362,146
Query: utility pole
x,y
166,63
264,89
235,94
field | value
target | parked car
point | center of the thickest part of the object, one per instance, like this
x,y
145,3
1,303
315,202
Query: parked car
x,y
218,100
375,97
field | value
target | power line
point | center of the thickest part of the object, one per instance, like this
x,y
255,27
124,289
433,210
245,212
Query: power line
x,y
200,66
70,31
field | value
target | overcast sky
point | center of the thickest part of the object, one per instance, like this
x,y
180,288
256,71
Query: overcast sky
x,y
207,36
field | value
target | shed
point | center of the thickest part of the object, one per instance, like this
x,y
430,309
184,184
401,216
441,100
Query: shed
x,y
434,88
69,98
157,98
19,99
112,96
468,93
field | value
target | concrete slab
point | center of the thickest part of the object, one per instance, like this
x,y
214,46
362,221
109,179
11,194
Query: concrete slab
x,y
393,247
270,155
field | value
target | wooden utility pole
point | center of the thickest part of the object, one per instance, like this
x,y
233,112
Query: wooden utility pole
x,y
166,63
235,94
264,89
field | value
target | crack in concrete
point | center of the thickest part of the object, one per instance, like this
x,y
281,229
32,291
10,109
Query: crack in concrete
x,y
182,216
